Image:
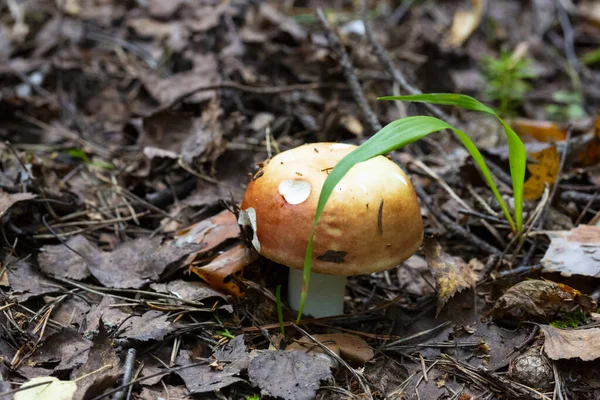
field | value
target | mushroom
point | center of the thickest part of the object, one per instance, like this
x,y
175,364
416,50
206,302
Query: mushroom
x,y
371,223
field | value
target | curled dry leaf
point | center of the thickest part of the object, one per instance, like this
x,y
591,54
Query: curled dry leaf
x,y
219,271
574,252
7,200
544,171
452,274
208,233
571,343
539,299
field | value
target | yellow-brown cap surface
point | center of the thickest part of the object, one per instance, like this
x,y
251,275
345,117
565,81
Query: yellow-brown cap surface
x,y
371,223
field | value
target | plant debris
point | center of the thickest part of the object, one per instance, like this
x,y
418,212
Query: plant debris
x,y
542,300
452,274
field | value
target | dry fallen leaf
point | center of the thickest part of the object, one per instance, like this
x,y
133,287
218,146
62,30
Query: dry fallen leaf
x,y
543,131
55,389
61,261
571,343
452,274
208,233
101,369
540,300
465,23
591,154
202,379
545,171
574,252
350,347
219,271
290,375
7,200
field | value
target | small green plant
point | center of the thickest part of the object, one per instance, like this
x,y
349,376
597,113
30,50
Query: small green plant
x,y
408,130
567,106
253,397
570,320
506,81
223,332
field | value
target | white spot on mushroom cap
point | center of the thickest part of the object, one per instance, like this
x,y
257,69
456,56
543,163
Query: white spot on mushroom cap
x,y
248,218
294,191
339,146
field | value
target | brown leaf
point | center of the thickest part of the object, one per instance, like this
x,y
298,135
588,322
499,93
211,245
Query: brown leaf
x,y
290,375
544,171
7,200
571,343
203,378
218,272
66,346
543,131
152,325
138,262
574,252
26,282
540,300
164,9
591,154
190,291
208,233
167,90
101,369
63,262
105,311
452,274
352,348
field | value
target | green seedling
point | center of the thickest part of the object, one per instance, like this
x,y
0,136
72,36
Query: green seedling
x,y
568,106
591,57
408,130
223,332
570,320
506,81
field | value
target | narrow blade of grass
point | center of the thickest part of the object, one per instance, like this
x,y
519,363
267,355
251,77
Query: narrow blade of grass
x,y
517,154
391,137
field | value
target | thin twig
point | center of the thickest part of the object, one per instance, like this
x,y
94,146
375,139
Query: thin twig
x,y
128,372
349,73
388,64
569,41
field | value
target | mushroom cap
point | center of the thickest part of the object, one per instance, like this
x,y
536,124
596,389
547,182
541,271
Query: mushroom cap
x,y
371,222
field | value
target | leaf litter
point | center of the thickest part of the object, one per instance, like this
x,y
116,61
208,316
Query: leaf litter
x,y
133,129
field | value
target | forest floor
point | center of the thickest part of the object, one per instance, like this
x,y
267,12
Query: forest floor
x,y
131,130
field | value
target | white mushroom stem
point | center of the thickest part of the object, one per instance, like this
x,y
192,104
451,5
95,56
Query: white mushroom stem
x,y
325,293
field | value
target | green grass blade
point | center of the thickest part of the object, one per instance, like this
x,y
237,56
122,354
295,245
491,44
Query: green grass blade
x,y
517,154
391,137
